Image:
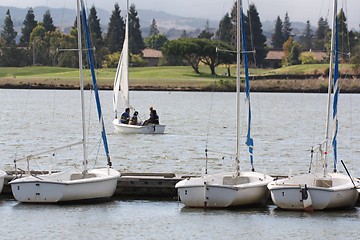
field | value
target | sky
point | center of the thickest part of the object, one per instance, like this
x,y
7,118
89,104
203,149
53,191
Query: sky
x,y
298,10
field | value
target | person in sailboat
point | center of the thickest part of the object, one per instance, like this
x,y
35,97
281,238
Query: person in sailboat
x,y
134,119
125,117
154,118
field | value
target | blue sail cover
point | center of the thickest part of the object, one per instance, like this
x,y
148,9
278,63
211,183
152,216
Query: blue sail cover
x,y
336,93
96,89
249,140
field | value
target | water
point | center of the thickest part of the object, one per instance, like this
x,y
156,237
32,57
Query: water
x,y
285,127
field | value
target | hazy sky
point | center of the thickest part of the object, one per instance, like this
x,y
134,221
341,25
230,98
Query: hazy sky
x,y
298,10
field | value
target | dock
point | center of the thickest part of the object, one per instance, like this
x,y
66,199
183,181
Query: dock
x,y
130,185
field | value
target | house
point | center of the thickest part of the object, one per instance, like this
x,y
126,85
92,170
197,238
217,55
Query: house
x,y
274,57
151,56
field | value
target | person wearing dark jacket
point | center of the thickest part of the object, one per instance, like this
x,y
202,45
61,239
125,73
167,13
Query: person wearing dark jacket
x,y
125,117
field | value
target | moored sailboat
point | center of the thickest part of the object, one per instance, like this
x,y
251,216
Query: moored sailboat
x,y
236,188
320,189
72,185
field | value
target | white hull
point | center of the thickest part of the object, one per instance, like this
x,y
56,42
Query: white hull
x,y
223,190
66,186
2,177
147,129
334,191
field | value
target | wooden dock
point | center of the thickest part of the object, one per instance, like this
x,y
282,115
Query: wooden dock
x,y
132,185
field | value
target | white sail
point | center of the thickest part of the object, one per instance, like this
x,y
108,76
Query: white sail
x,y
121,82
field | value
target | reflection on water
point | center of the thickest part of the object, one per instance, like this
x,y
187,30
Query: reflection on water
x,y
140,219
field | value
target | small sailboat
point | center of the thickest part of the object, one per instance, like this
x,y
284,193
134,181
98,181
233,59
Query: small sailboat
x,y
320,189
71,185
121,85
236,188
3,174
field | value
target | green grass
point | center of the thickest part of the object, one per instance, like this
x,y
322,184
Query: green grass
x,y
165,76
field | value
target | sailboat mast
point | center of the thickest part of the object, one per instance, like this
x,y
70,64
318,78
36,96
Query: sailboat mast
x,y
238,48
81,87
127,50
330,83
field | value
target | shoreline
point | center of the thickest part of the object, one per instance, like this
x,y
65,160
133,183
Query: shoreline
x,y
299,85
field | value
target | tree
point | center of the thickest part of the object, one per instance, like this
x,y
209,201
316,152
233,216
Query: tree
x,y
96,36
29,25
136,41
256,39
292,50
343,35
278,36
196,50
94,27
287,29
116,31
183,48
308,37
38,44
321,34
224,31
153,28
206,32
156,41
184,34
8,34
48,22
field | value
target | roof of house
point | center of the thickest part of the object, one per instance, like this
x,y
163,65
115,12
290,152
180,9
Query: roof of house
x,y
275,55
279,54
151,53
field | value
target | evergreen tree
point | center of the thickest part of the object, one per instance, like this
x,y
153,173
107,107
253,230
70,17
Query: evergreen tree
x,y
153,28
321,34
116,31
343,35
206,32
224,31
233,16
287,29
8,34
95,29
308,37
257,40
136,41
278,37
48,22
184,34
29,25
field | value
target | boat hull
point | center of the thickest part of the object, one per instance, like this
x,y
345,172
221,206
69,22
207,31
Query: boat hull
x,y
2,178
133,129
65,186
308,192
223,190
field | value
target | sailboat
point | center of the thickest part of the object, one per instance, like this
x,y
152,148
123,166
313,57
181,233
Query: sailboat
x,y
71,185
121,84
320,189
227,189
3,174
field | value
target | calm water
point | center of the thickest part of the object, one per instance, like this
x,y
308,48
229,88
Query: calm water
x,y
285,127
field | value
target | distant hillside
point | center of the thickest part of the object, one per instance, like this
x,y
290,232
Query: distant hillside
x,y
64,19
170,25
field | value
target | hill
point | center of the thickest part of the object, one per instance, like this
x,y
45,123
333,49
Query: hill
x,y
170,25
